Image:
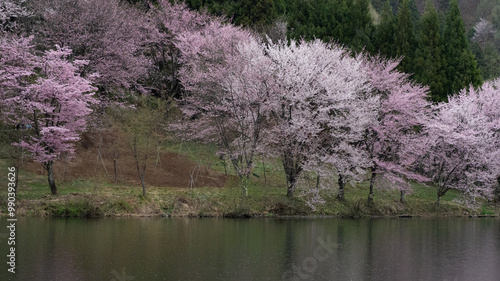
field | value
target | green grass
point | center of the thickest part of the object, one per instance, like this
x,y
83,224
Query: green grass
x,y
266,196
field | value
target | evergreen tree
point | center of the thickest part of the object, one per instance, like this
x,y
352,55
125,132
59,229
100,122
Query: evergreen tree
x,y
384,34
347,22
404,37
343,24
460,64
280,6
443,5
415,15
256,13
428,57
488,59
363,26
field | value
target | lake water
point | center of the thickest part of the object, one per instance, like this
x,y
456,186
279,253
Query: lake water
x,y
121,249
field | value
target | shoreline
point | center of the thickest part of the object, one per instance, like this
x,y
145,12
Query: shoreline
x,y
84,205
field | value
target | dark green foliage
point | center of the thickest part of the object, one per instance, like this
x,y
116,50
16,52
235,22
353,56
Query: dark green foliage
x,y
280,6
488,58
443,4
345,21
487,50
404,37
363,26
460,65
257,13
378,5
429,60
384,34
435,50
415,15
395,5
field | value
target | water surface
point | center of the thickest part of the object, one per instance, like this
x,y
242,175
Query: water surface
x,y
123,249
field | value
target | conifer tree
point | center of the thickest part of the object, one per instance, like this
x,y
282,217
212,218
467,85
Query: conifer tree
x,y
428,57
384,34
256,13
415,15
461,65
363,26
404,37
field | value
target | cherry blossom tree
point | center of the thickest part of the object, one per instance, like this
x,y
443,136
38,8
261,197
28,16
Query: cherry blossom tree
x,y
488,98
484,31
490,95
172,20
46,93
463,143
393,142
11,11
225,74
107,33
320,107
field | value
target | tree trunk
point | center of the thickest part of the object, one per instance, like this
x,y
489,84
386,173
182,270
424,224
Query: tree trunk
x,y
402,199
497,190
143,186
264,168
244,181
115,170
49,166
142,175
291,179
440,193
341,182
372,182
292,171
290,189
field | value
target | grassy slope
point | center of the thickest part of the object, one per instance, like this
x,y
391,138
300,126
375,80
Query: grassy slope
x,y
94,197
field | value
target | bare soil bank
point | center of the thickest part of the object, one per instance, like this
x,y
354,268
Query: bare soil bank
x,y
167,169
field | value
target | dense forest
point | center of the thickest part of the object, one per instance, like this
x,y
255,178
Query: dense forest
x,y
437,39
339,91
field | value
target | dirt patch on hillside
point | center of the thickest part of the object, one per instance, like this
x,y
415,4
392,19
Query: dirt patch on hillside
x,y
167,169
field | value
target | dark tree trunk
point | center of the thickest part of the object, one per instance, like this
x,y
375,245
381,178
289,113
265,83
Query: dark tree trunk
x,y
497,191
244,182
264,168
292,182
341,182
402,199
440,193
49,166
115,170
372,183
143,187
292,171
142,175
